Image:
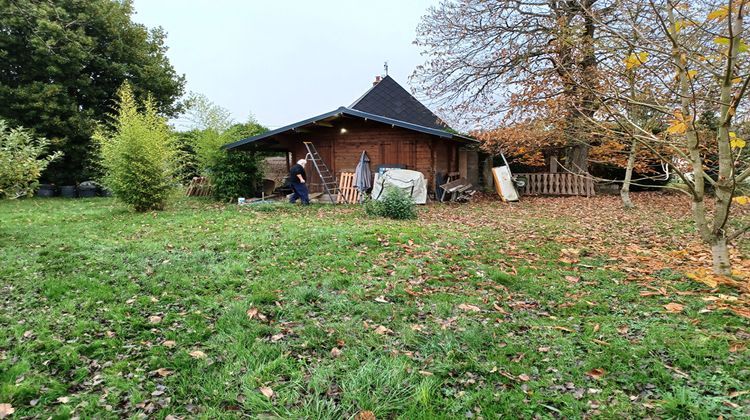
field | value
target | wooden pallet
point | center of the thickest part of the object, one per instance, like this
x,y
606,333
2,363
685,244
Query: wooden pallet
x,y
348,192
199,187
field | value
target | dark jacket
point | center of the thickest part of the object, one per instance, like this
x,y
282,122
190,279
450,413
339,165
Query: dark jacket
x,y
297,169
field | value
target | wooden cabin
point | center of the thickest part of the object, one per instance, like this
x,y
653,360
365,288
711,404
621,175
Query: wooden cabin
x,y
388,123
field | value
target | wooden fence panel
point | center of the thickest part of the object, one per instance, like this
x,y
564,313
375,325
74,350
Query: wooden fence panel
x,y
558,184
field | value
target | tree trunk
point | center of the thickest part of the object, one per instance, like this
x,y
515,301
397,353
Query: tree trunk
x,y
720,253
625,190
577,158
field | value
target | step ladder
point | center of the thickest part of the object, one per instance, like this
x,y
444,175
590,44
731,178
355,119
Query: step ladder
x,y
329,181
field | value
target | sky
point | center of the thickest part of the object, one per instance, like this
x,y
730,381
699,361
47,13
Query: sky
x,y
286,60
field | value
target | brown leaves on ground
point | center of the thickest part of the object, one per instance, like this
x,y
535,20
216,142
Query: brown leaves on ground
x,y
643,243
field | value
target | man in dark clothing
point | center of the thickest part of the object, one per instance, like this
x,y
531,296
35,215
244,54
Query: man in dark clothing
x,y
297,179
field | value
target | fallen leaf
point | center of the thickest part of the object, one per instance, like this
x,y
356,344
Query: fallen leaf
x,y
63,400
277,337
169,343
572,279
163,372
6,410
703,277
738,394
365,415
197,354
382,330
737,347
154,319
252,312
381,299
596,373
469,308
623,329
674,307
566,329
425,373
499,309
268,392
335,352
597,327
524,377
543,349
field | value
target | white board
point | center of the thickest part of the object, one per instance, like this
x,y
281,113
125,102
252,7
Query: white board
x,y
504,183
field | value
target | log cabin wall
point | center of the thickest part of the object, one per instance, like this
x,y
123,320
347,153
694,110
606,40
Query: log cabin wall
x,y
383,144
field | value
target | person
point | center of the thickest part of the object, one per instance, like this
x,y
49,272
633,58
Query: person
x,y
297,180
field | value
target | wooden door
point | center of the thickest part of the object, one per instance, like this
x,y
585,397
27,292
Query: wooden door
x,y
389,153
402,152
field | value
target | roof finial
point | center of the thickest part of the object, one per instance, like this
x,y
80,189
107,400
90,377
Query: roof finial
x,y
385,67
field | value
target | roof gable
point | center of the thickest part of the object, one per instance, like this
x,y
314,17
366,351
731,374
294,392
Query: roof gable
x,y
389,99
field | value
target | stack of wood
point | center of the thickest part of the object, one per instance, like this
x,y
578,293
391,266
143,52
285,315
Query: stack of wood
x,y
459,190
199,187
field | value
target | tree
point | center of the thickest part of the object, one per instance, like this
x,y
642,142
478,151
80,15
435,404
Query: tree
x,y
61,63
237,173
139,154
22,161
694,61
232,173
518,64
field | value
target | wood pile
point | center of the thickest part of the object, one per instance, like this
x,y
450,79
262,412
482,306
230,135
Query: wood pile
x,y
199,187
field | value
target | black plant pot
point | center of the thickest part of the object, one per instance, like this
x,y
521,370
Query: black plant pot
x,y
68,191
87,192
46,190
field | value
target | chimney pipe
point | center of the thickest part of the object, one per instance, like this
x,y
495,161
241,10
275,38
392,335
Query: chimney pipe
x,y
377,80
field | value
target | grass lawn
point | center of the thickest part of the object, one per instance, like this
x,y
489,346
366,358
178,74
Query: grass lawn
x,y
549,308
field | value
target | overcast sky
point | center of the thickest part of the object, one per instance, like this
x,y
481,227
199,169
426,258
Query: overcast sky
x,y
286,60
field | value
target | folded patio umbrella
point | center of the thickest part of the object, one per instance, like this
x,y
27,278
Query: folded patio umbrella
x,y
363,175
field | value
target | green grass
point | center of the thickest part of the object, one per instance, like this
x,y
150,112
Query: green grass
x,y
81,280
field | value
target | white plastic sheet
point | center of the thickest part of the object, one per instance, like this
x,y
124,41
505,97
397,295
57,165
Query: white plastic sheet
x,y
412,182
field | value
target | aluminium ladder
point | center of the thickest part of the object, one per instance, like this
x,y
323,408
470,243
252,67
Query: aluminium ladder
x,y
329,181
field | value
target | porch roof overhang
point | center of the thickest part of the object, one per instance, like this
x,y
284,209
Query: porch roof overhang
x,y
267,138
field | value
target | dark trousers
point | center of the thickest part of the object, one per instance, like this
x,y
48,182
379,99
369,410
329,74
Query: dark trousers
x,y
300,191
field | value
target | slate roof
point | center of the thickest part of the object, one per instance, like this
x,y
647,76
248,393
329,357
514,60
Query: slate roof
x,y
387,103
343,111
389,99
